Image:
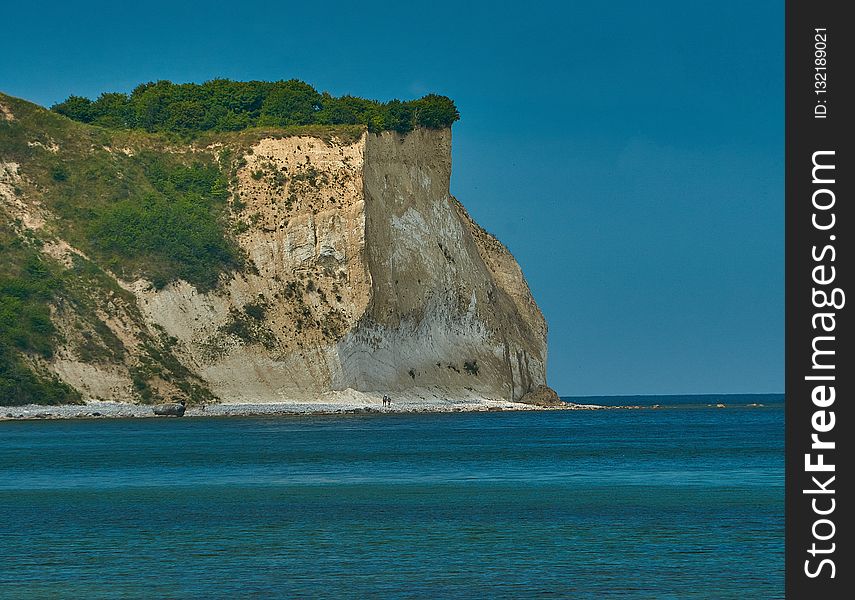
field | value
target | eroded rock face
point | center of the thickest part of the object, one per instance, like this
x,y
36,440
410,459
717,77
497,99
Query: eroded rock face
x,y
270,333
448,305
364,273
6,113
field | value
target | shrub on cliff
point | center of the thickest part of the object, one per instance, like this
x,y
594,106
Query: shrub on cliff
x,y
398,116
435,112
173,231
75,107
290,103
225,105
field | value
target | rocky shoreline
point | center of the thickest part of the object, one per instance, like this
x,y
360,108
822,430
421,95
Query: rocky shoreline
x,y
363,404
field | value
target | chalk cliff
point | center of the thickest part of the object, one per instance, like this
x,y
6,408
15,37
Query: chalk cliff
x,y
361,271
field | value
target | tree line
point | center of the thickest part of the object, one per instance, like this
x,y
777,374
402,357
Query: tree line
x,y
226,105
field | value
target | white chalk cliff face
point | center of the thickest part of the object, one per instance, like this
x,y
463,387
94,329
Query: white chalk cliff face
x,y
366,274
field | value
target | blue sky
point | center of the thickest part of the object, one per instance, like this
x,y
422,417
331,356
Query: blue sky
x,y
631,157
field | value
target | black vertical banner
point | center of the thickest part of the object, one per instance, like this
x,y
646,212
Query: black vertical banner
x,y
820,367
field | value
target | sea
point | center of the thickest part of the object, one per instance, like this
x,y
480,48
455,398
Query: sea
x,y
681,501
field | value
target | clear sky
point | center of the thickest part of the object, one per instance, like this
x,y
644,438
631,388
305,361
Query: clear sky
x,y
630,154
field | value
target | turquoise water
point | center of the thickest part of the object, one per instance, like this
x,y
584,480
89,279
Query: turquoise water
x,y
682,502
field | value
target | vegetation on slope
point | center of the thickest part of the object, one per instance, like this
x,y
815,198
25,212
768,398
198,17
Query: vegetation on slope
x,y
136,204
225,105
27,286
171,231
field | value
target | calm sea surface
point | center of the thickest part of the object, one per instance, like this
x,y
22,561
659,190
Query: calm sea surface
x,y
681,502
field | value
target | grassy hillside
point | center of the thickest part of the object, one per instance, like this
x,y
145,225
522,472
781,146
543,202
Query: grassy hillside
x,y
27,285
120,198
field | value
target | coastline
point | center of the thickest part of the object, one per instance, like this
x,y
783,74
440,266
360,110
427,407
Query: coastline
x,y
121,410
332,403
